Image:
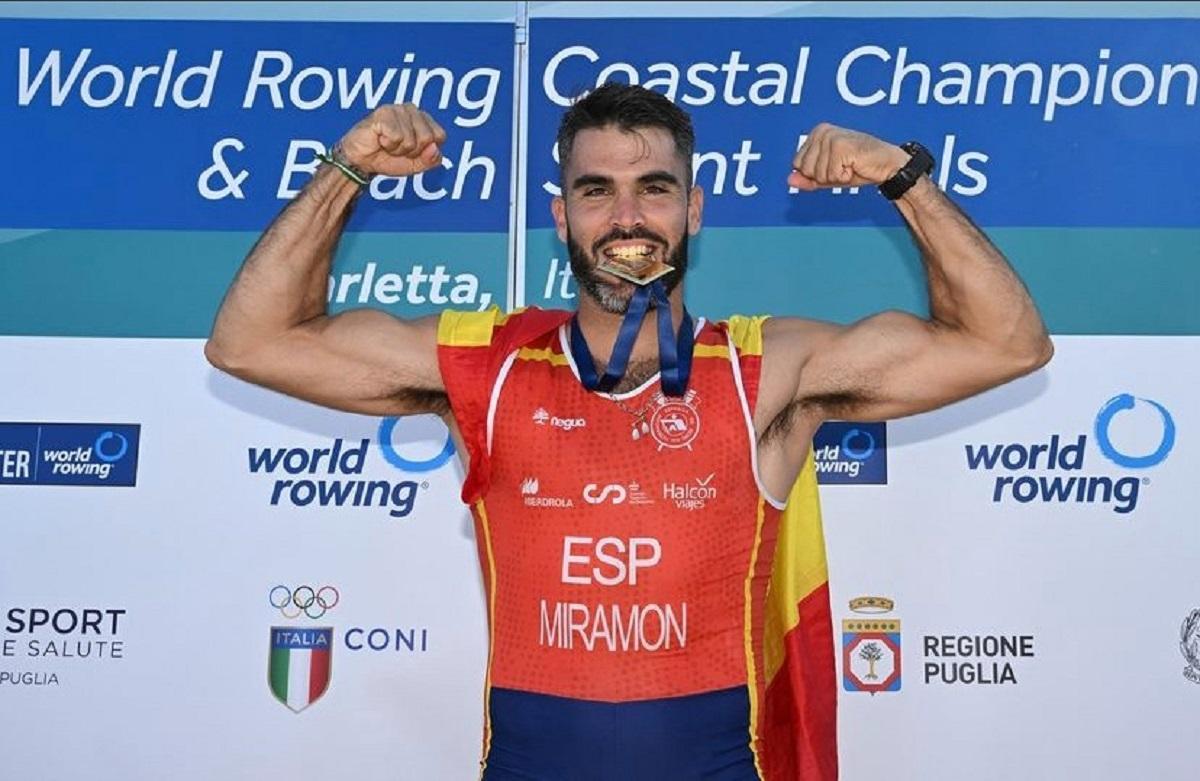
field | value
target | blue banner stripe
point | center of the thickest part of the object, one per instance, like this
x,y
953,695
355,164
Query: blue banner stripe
x,y
1034,122
195,125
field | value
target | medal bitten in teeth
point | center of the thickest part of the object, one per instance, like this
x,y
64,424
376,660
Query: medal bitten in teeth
x,y
634,264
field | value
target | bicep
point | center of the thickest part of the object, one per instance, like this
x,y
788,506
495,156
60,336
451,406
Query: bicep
x,y
894,364
364,361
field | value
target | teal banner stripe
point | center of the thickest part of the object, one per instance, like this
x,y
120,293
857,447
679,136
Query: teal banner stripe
x,y
170,283
1085,280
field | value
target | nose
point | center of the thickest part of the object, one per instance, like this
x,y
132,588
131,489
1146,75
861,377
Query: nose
x,y
626,211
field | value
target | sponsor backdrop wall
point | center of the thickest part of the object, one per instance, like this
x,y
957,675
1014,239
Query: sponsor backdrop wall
x,y
204,579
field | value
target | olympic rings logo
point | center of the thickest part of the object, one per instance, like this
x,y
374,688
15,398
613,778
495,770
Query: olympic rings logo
x,y
304,599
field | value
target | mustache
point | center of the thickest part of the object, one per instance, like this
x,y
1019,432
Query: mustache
x,y
617,234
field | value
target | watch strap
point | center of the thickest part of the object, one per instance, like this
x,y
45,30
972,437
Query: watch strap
x,y
919,164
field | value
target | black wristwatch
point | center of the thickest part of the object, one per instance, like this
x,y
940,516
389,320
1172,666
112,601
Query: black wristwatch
x,y
920,164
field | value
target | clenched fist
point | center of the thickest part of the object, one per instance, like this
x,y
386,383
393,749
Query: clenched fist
x,y
394,140
836,157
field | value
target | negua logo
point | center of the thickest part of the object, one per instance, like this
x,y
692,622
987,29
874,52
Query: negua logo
x,y
1061,462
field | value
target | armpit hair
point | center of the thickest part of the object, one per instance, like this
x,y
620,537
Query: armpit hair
x,y
436,402
833,405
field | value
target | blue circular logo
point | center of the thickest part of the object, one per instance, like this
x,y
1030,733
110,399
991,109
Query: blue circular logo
x,y
858,455
108,458
1125,402
386,427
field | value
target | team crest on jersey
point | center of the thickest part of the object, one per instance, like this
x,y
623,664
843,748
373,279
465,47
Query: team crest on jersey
x,y
675,423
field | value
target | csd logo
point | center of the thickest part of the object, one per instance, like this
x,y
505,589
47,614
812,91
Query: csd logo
x,y
594,494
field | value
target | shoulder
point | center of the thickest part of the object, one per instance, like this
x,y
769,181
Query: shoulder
x,y
458,328
795,338
788,345
778,337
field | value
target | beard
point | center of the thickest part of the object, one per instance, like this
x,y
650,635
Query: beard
x,y
613,293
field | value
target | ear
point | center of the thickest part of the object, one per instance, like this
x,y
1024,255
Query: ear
x,y
695,210
558,208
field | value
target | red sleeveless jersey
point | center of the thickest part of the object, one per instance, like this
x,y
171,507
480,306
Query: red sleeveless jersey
x,y
637,572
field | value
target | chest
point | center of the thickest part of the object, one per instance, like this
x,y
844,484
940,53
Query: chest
x,y
554,441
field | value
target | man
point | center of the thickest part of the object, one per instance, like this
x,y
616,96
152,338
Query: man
x,y
638,478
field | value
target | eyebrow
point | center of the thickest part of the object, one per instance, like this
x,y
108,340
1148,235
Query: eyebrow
x,y
659,177
652,177
587,180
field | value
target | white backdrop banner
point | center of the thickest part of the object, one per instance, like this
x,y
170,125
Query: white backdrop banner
x,y
260,588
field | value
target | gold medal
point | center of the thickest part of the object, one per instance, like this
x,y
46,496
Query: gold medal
x,y
640,271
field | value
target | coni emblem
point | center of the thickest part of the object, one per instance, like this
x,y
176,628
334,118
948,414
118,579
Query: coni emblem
x,y
301,658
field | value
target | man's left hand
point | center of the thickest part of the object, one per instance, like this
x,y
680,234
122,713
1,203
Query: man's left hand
x,y
837,157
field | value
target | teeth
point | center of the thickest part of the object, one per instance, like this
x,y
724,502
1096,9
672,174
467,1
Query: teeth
x,y
630,252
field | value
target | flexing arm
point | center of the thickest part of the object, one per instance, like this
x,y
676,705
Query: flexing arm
x,y
983,328
272,328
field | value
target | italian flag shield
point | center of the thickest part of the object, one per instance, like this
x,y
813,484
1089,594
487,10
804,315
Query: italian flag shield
x,y
300,662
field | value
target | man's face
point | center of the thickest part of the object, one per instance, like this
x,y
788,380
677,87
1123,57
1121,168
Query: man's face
x,y
625,193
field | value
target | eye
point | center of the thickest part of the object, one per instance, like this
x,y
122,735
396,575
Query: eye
x,y
592,192
655,189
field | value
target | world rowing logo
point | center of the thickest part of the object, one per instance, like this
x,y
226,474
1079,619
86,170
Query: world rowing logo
x,y
419,428
1104,419
1134,434
851,453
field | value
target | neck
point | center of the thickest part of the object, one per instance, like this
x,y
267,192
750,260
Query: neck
x,y
600,328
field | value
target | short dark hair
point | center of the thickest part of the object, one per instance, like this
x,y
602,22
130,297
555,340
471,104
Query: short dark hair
x,y
629,107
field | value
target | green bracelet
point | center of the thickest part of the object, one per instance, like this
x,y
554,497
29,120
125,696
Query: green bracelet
x,y
333,157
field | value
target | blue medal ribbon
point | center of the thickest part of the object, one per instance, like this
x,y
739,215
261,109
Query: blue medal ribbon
x,y
674,351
